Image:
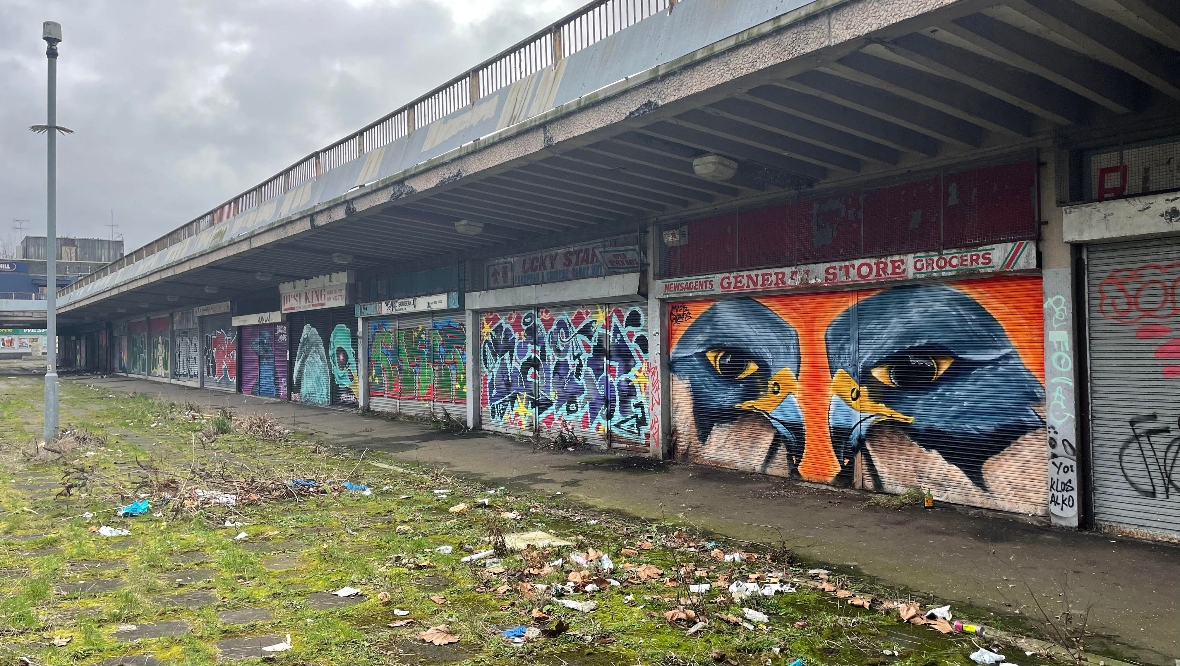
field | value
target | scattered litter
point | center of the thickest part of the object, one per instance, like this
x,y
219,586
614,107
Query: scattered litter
x,y
124,628
607,563
740,589
405,497
230,523
442,491
135,509
797,662
755,616
735,557
968,628
478,556
216,497
400,613
537,539
445,550
440,635
581,606
347,592
62,641
240,536
397,623
579,560
113,531
362,489
88,515
514,632
940,613
697,628
817,572
279,647
699,589
532,633
458,508
302,483
985,656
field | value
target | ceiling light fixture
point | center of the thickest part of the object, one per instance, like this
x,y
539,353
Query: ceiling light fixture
x,y
172,298
341,258
469,227
264,276
714,167
210,289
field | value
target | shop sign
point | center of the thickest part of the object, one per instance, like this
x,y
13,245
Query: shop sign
x,y
212,309
1016,256
257,319
325,291
558,265
8,267
406,305
621,259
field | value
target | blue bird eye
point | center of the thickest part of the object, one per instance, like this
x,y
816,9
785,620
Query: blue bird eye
x,y
907,371
731,364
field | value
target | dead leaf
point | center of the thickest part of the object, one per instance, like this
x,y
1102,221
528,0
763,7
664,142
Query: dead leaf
x,y
628,552
438,600
646,545
680,614
802,624
62,641
400,623
458,508
539,615
503,589
717,553
556,630
843,594
578,576
732,619
909,611
440,635
827,587
384,597
593,554
942,626
860,601
648,572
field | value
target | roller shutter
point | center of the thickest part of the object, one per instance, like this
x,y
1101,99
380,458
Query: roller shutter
x,y
137,347
383,364
415,370
579,370
186,357
448,349
1134,342
160,347
264,360
323,366
418,364
219,345
934,386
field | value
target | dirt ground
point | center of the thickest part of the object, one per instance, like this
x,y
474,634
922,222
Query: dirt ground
x,y
983,563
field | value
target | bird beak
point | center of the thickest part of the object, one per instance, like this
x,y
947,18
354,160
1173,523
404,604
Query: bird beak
x,y
778,388
857,397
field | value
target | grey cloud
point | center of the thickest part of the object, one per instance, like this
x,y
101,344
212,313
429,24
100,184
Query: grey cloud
x,y
180,105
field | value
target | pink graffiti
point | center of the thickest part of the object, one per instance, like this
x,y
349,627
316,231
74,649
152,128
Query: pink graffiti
x,y
654,400
225,355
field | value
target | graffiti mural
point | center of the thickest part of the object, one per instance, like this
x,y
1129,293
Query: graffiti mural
x,y
422,362
344,371
161,356
137,353
221,358
583,369
1146,297
310,382
935,386
264,360
187,358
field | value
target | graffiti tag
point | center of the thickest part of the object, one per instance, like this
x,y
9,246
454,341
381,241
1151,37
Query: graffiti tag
x,y
1060,418
1151,467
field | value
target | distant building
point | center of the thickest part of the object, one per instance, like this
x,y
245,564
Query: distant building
x,y
25,277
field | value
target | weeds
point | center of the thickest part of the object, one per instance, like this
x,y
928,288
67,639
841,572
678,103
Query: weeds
x,y
912,497
222,423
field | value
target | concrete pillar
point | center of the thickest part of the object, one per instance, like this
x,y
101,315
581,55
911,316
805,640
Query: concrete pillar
x,y
362,365
1061,396
659,387
473,378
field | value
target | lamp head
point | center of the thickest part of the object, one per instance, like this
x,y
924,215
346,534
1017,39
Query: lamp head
x,y
51,32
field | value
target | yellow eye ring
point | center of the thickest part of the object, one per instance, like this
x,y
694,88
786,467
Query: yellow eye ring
x,y
884,373
720,357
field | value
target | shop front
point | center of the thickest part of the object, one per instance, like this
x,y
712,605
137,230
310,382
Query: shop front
x,y
219,347
137,347
321,323
883,360
186,348
564,345
160,347
263,354
416,355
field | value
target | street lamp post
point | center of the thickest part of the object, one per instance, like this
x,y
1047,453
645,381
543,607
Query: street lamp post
x,y
51,33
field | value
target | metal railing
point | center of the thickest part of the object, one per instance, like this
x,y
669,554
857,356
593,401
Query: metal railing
x,y
20,296
592,23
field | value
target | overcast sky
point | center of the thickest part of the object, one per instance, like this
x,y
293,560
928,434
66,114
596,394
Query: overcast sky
x,y
178,105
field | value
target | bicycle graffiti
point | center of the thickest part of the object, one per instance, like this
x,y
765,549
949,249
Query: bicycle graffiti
x,y
1150,465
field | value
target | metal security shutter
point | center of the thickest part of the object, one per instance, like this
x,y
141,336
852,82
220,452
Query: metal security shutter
x,y
186,357
572,389
383,364
160,347
937,386
628,375
324,370
219,343
509,370
264,360
414,365
448,348
137,347
1134,339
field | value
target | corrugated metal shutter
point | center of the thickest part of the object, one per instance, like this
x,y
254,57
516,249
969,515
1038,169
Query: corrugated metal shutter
x,y
186,357
264,360
383,364
415,370
448,344
324,370
219,342
160,347
572,392
628,379
1134,338
137,347
509,371
934,386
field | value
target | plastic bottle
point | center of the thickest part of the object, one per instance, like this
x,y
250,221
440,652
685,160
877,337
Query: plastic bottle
x,y
928,500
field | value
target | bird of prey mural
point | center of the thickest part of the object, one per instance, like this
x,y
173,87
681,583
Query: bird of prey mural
x,y
912,369
740,358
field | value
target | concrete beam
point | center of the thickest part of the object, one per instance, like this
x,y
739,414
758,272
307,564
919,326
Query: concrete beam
x,y
508,187
735,149
738,130
1123,219
545,184
1162,15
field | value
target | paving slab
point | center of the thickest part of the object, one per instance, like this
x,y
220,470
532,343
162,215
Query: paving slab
x,y
432,583
327,601
22,537
244,615
262,547
90,586
47,551
416,653
194,599
135,632
188,576
189,557
281,562
237,649
80,566
133,660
